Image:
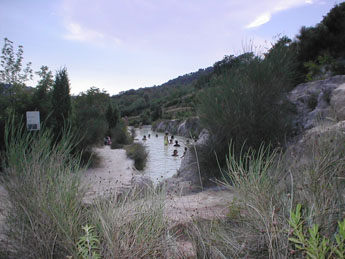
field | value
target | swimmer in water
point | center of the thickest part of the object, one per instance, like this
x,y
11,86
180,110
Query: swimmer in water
x,y
176,144
144,138
175,153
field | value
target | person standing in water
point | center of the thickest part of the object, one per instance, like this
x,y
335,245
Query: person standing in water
x,y
166,139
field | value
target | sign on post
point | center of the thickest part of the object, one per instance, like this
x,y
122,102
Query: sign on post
x,y
33,120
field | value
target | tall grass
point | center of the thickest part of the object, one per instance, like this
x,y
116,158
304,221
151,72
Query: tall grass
x,y
46,216
130,227
42,181
269,185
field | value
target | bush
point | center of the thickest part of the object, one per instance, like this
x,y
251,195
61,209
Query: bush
x,y
47,217
129,227
120,135
138,153
42,180
247,103
269,186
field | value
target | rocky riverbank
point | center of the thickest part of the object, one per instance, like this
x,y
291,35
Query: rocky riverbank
x,y
186,128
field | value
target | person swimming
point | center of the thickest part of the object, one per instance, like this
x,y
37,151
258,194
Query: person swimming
x,y
175,153
144,138
177,144
156,135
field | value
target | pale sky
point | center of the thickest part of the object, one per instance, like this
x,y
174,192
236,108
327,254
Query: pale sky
x,y
119,45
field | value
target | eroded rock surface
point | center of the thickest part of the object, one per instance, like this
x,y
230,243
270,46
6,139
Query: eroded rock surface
x,y
318,100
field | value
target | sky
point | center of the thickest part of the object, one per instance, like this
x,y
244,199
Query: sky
x,y
117,45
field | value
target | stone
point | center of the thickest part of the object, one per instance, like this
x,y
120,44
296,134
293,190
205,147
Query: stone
x,y
316,101
338,102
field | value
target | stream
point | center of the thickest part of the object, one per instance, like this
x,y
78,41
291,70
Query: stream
x,y
160,162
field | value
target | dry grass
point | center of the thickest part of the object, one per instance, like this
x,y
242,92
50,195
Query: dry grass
x,y
269,185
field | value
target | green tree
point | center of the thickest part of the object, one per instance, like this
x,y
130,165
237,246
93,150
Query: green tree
x,y
41,98
61,100
11,71
89,117
112,116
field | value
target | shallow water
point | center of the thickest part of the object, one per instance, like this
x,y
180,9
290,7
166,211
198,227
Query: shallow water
x,y
160,162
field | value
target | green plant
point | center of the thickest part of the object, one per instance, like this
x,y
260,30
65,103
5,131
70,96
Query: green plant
x,y
120,134
88,245
138,153
129,225
42,180
268,185
315,246
246,104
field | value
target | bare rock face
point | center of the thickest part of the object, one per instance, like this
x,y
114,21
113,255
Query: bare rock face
x,y
185,128
338,102
318,100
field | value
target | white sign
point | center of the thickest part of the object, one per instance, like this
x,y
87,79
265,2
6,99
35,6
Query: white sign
x,y
33,120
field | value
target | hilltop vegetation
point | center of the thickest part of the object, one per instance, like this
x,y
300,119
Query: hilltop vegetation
x,y
175,98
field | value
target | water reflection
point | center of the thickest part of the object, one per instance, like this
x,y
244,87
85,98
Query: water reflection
x,y
160,163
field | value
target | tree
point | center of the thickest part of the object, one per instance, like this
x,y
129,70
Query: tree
x,y
11,64
112,116
90,109
61,100
41,98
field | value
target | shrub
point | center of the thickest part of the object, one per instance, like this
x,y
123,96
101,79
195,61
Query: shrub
x,y
247,103
120,135
269,185
42,180
138,153
129,227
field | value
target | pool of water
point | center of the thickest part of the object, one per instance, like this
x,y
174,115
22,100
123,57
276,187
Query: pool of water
x,y
160,162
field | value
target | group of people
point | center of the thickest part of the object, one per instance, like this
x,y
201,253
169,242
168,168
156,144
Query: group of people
x,y
107,141
171,141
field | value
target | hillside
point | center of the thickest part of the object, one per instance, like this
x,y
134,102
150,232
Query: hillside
x,y
175,98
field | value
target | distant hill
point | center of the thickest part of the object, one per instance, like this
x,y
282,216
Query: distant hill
x,y
173,99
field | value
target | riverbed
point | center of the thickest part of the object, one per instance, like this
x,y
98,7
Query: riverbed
x,y
160,162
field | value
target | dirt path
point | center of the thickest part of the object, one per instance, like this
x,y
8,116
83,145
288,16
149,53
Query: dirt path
x,y
115,172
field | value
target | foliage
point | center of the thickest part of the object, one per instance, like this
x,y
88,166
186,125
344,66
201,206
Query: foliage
x,y
148,103
42,180
61,100
120,134
246,103
269,185
112,116
11,63
129,227
41,99
314,245
88,245
89,117
138,153
324,39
